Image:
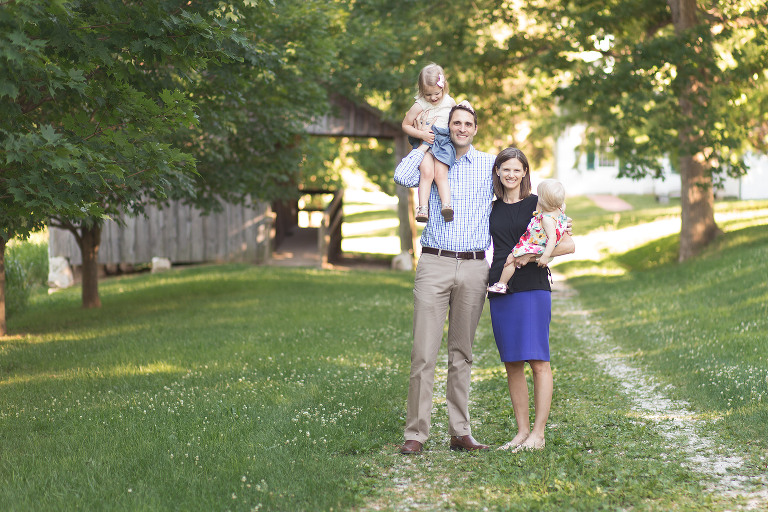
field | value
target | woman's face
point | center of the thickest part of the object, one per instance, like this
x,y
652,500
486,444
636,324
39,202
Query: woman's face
x,y
511,173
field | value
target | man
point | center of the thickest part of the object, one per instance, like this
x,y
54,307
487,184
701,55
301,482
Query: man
x,y
451,280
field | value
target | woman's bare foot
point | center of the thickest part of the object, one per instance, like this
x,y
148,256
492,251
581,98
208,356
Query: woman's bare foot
x,y
515,442
532,442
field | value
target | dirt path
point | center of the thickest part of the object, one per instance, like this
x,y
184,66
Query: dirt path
x,y
723,473
610,203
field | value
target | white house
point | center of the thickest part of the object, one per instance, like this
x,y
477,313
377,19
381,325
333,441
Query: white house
x,y
596,173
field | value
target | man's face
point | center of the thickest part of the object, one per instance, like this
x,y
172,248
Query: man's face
x,y
462,128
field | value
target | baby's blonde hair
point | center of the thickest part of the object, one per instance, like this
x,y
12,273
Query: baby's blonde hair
x,y
429,76
551,194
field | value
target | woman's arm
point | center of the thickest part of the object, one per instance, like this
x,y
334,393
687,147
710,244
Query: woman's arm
x,y
566,246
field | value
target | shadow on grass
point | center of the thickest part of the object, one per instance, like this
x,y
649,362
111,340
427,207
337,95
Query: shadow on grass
x,y
183,316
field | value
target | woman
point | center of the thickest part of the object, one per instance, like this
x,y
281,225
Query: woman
x,y
521,317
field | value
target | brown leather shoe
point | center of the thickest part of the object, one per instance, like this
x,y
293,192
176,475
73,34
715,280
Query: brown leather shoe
x,y
411,447
466,443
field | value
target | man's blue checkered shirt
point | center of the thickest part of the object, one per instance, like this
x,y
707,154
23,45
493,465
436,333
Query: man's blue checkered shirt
x,y
471,195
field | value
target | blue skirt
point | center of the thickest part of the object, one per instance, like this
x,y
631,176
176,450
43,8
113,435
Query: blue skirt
x,y
521,325
443,149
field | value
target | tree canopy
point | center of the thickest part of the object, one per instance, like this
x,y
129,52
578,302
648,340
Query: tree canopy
x,y
681,79
248,143
110,105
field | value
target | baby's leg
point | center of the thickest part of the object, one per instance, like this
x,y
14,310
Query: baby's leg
x,y
503,282
427,170
507,273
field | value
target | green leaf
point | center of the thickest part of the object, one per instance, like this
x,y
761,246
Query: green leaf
x,y
8,89
49,133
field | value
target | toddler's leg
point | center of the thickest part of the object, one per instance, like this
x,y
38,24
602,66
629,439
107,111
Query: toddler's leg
x,y
427,171
427,176
443,189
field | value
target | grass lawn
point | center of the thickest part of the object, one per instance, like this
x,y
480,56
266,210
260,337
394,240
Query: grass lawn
x,y
590,217
256,388
211,388
241,388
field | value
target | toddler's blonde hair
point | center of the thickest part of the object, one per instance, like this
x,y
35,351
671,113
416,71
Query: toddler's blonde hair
x,y
429,76
551,194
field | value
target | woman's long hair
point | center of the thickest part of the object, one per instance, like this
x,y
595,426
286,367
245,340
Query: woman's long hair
x,y
525,184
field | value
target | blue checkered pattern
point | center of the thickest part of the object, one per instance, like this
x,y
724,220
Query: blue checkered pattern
x,y
471,195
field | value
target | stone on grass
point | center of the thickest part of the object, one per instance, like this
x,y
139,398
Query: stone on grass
x,y
160,264
59,273
403,261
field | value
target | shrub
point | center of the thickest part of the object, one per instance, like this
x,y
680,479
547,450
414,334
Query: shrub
x,y
26,268
16,289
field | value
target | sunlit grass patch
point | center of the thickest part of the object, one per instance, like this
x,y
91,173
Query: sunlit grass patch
x,y
662,251
372,213
589,217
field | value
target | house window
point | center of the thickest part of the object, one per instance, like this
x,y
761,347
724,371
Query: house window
x,y
607,159
600,154
590,160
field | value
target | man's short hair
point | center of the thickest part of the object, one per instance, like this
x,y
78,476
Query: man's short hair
x,y
465,108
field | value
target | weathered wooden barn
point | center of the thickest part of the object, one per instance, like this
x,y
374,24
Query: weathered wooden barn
x,y
238,233
180,233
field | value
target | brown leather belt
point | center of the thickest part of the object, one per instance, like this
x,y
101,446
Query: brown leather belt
x,y
471,255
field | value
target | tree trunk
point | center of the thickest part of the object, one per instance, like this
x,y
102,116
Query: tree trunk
x,y
697,201
684,14
405,203
89,248
697,198
3,330
405,212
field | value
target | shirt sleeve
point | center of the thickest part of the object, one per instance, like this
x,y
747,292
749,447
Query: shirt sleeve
x,y
407,171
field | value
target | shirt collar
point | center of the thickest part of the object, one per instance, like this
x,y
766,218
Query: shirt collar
x,y
470,155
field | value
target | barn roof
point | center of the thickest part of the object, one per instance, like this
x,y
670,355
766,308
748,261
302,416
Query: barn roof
x,y
351,119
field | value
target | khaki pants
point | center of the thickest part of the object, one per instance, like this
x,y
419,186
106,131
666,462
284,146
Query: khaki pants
x,y
456,288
